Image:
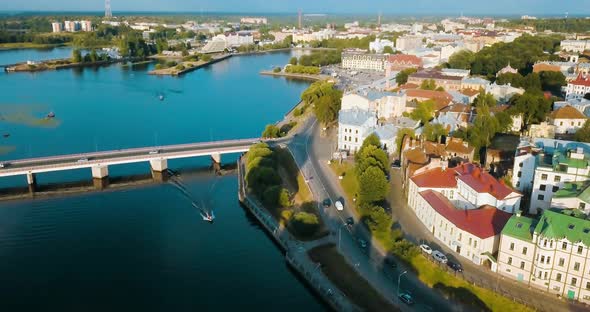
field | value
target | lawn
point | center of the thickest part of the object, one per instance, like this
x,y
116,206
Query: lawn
x,y
303,193
349,183
348,280
461,290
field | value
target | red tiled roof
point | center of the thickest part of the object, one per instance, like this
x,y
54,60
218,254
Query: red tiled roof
x,y
409,86
581,80
484,222
428,94
405,59
470,92
470,174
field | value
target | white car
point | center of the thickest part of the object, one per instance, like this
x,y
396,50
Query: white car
x,y
439,256
2,165
425,248
338,205
83,160
154,152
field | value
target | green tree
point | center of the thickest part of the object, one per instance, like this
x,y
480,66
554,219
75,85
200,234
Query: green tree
x,y
76,56
515,80
461,59
424,112
373,185
388,50
552,81
93,56
434,132
372,156
293,61
285,198
271,131
428,84
485,126
532,82
583,134
533,106
270,196
305,223
378,220
402,76
401,134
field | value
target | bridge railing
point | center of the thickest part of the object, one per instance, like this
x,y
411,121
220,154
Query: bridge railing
x,y
135,150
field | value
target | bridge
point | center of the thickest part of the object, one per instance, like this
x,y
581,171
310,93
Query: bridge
x,y
99,162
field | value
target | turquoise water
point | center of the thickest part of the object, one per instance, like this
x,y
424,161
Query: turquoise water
x,y
143,248
21,55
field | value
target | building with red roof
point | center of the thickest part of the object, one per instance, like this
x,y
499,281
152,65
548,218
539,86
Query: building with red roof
x,y
577,88
467,185
399,62
472,233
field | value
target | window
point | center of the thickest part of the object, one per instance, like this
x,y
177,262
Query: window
x,y
577,266
474,244
542,259
460,236
587,285
545,243
545,277
558,277
518,184
541,197
555,189
509,260
511,246
470,241
357,131
561,123
557,178
564,246
580,249
519,174
544,176
522,265
574,281
524,250
543,187
356,140
520,165
548,260
561,262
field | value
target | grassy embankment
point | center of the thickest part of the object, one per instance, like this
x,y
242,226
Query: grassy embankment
x,y
356,288
453,287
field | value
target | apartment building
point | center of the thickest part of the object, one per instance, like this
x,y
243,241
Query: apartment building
x,y
550,254
363,61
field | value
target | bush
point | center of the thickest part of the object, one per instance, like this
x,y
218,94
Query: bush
x,y
287,214
171,64
284,199
158,66
297,112
305,224
180,67
270,196
271,131
299,69
276,70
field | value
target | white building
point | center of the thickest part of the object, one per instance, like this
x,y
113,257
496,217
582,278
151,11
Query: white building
x,y
71,26
216,44
578,88
240,38
581,104
503,93
407,43
354,126
363,61
254,20
467,186
473,234
543,166
378,45
573,195
57,27
86,25
567,120
578,46
552,254
386,105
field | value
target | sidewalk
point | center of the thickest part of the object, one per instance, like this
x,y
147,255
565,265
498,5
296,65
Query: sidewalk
x,y
416,232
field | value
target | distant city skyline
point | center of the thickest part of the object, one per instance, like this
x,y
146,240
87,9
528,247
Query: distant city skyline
x,y
448,7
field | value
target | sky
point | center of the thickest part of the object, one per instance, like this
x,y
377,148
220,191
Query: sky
x,y
455,7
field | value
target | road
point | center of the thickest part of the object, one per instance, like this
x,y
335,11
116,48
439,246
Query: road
x,y
83,160
311,152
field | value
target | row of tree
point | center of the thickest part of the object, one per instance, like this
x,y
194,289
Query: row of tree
x,y
90,57
325,99
521,54
318,58
544,81
301,69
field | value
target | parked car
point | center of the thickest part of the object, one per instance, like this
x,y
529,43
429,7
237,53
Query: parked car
x,y
439,256
362,243
426,249
455,266
406,298
349,221
389,261
327,203
338,205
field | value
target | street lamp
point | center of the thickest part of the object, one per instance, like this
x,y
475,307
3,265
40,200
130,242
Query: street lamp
x,y
398,281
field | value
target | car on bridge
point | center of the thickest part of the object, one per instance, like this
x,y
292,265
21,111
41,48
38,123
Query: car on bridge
x,y
338,205
327,203
82,160
406,298
152,152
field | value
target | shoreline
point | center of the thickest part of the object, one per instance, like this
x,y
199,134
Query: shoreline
x,y
295,76
170,72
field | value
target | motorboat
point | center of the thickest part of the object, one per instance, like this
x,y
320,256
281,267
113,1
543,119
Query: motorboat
x,y
51,115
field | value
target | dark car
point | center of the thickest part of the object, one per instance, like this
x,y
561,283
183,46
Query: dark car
x,y
349,221
455,266
396,164
327,203
390,262
406,298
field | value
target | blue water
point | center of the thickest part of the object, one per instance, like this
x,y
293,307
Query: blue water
x,y
143,248
21,55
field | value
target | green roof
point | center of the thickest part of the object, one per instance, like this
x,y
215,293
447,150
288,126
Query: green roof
x,y
575,189
519,227
558,225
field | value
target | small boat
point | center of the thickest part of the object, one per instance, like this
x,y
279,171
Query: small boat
x,y
51,115
161,97
6,135
208,217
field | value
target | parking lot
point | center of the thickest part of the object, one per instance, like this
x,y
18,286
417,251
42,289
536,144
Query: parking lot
x,y
349,79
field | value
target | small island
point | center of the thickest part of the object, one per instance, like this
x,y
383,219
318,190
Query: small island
x,y
187,64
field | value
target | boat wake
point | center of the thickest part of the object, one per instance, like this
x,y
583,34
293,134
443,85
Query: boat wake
x,y
206,214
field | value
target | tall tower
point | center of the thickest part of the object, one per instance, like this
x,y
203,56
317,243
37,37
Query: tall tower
x,y
300,19
379,21
107,8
